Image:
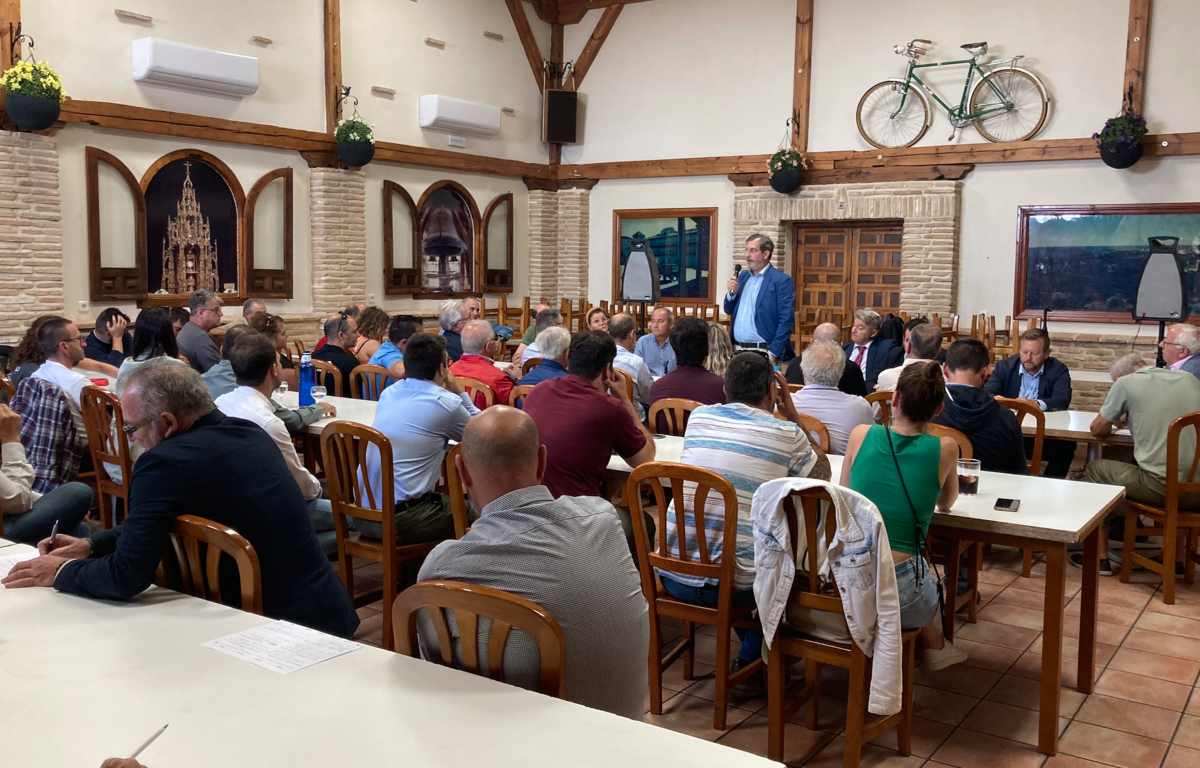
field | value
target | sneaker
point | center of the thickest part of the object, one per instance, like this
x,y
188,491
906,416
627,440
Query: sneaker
x,y
946,656
1076,559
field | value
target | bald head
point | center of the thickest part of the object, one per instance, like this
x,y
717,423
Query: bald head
x,y
827,332
501,452
476,335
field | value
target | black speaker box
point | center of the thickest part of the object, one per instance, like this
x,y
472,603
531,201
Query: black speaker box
x,y
560,118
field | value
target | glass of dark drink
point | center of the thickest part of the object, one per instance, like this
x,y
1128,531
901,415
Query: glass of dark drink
x,y
968,476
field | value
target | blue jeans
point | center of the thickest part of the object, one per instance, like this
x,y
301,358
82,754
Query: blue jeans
x,y
918,597
752,639
68,504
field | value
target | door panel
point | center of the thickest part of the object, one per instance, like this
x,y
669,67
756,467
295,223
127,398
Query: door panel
x,y
842,269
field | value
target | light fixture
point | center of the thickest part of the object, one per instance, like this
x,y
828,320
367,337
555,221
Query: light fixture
x,y
433,42
132,16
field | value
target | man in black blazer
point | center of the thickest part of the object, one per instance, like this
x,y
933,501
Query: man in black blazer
x,y
867,351
852,379
1033,375
199,462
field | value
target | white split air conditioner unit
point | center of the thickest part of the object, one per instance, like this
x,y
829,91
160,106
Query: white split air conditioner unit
x,y
446,113
175,65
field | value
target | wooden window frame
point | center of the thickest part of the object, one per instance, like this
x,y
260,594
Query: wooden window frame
x,y
498,280
399,281
667,213
271,283
113,283
476,249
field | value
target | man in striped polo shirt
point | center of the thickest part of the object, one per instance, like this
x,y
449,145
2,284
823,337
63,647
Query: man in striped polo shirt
x,y
745,443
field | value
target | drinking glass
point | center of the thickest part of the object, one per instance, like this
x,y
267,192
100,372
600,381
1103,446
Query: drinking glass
x,y
968,476
318,393
282,388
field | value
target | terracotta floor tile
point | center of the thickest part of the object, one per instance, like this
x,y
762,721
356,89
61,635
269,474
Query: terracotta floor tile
x,y
1189,732
1112,634
1005,721
1070,649
968,749
997,577
1112,747
1156,665
927,736
1167,645
1187,610
872,757
673,675
1021,692
1014,615
998,634
739,696
798,741
1070,761
1127,595
1026,598
693,716
1182,757
940,706
1146,690
1030,666
370,629
968,681
986,656
1171,625
1193,707
1129,716
1120,615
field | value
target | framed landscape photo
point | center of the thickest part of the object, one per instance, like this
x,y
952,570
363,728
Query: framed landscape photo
x,y
664,255
1084,262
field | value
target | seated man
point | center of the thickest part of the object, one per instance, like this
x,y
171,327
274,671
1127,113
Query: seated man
x,y
29,516
869,353
568,555
62,349
554,343
745,443
193,338
390,354
655,346
585,417
547,318
256,366
993,430
199,462
852,378
110,341
1180,348
420,415
823,362
623,329
478,342
1032,374
691,380
922,341
341,333
531,332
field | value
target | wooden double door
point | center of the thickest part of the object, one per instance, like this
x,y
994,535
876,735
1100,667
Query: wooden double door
x,y
842,267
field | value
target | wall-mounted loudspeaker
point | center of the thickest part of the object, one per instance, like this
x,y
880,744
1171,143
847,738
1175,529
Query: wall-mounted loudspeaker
x,y
560,117
1161,294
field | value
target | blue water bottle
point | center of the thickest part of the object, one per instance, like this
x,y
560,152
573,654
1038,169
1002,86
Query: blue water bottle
x,y
306,380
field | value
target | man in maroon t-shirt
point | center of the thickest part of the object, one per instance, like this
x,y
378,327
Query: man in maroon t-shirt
x,y
586,416
689,380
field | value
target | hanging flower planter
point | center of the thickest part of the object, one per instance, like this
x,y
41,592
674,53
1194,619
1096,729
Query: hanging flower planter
x,y
32,93
354,137
1120,141
355,154
787,170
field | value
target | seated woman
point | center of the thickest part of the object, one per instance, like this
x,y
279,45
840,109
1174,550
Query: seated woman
x,y
597,320
373,325
273,327
153,336
906,472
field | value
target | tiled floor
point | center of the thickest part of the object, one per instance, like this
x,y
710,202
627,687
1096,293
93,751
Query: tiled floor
x,y
1144,713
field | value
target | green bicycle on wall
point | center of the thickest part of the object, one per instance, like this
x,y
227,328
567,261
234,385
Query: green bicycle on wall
x,y
1006,103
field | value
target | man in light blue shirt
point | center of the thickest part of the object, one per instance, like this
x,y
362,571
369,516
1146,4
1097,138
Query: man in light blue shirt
x,y
761,300
743,322
419,415
390,354
655,347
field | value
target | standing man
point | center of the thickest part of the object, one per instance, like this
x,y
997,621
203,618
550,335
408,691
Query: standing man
x,y
1033,375
655,347
761,301
1179,348
872,355
194,341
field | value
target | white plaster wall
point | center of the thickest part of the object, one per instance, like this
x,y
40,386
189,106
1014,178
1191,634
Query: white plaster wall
x,y
1172,98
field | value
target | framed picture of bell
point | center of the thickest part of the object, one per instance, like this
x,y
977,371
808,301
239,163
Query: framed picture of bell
x,y
664,255
1084,262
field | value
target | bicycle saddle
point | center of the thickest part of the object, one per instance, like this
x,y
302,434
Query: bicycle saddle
x,y
975,49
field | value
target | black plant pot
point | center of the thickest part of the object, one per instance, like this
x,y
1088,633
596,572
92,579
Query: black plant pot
x,y
786,180
355,153
1121,155
31,113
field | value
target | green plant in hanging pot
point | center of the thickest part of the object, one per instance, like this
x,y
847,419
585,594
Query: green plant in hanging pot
x,y
355,141
787,170
33,94
1120,140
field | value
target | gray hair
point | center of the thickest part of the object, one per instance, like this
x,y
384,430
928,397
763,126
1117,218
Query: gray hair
x,y
250,303
764,243
547,318
200,299
868,317
450,314
823,363
1126,364
168,387
553,342
476,335
1187,336
925,340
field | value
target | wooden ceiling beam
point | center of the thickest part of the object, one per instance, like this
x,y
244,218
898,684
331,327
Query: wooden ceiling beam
x,y
10,16
1136,45
333,62
573,11
516,9
802,76
862,175
590,50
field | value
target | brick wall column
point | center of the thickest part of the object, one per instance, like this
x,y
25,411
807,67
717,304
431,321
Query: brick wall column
x,y
31,246
543,245
338,208
573,243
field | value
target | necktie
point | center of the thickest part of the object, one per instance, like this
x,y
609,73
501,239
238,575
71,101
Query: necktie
x,y
858,355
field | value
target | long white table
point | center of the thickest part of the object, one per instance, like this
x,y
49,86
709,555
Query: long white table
x,y
348,409
6,543
144,665
1076,426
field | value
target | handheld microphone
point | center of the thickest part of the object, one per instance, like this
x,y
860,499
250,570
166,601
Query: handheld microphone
x,y
737,269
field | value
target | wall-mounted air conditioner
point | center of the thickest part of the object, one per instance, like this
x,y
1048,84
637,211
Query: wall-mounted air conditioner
x,y
176,65
446,113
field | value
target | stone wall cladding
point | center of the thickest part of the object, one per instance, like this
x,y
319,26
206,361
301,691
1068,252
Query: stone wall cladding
x,y
558,244
1097,352
338,208
930,210
31,245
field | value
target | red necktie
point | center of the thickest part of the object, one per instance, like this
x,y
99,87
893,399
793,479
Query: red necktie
x,y
858,355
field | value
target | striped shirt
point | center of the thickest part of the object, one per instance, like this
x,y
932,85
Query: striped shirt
x,y
747,446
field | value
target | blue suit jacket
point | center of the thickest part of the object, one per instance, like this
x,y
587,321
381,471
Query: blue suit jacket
x,y
773,311
1054,388
1192,366
881,355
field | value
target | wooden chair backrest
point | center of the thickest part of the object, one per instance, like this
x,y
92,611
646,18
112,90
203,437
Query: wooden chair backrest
x,y
882,398
518,392
965,449
198,544
1027,408
468,603
105,422
808,593
669,415
629,389
816,430
299,345
329,376
368,381
455,491
344,449
1176,486
480,393
530,364
526,319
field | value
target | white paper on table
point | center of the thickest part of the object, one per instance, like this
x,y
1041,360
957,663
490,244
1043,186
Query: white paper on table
x,y
17,553
282,646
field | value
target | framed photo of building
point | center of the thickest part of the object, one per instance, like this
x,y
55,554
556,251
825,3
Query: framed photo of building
x,y
665,255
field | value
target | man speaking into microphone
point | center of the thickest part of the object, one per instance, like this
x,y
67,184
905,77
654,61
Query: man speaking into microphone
x,y
761,300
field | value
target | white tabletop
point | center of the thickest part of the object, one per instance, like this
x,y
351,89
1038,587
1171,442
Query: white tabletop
x,y
1075,425
6,543
666,448
144,665
348,409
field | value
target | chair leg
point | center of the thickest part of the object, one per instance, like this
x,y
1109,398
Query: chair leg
x,y
812,680
975,560
951,585
689,652
721,677
654,664
856,707
1170,535
1026,561
775,695
1189,559
389,596
904,730
1131,523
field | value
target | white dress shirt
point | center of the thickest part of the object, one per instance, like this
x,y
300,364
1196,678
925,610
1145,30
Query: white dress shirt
x,y
70,382
250,404
891,377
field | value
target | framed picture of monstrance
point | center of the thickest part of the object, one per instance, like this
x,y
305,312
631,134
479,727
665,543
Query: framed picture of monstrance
x,y
191,230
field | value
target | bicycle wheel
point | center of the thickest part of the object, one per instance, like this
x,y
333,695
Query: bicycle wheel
x,y
892,115
1025,101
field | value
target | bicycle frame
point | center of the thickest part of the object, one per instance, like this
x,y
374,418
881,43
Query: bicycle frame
x,y
957,114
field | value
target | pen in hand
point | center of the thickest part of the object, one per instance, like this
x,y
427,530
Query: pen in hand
x,y
148,742
53,535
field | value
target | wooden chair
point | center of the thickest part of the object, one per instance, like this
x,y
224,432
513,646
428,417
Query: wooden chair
x,y
956,544
525,316
344,447
669,415
629,384
469,603
724,616
478,391
300,348
816,430
883,399
108,444
519,392
1022,409
367,381
965,449
1168,520
455,491
198,544
530,364
328,374
794,388
860,729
